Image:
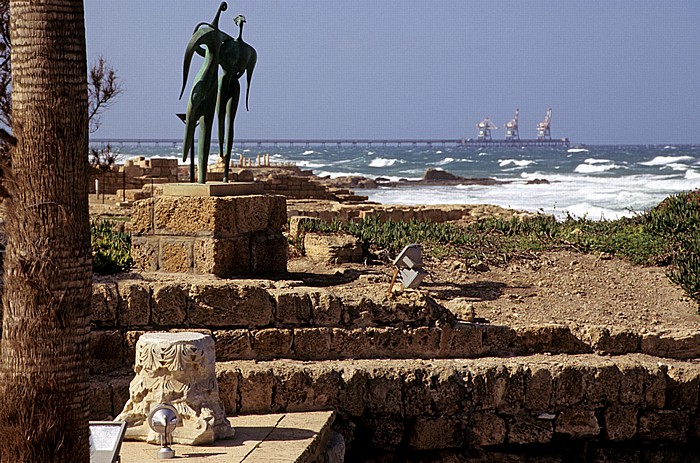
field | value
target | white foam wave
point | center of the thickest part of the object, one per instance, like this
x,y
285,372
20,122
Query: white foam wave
x,y
597,161
692,174
370,153
307,152
382,162
663,160
577,150
444,162
515,162
309,164
438,152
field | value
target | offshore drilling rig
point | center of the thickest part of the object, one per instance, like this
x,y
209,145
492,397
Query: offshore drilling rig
x,y
512,135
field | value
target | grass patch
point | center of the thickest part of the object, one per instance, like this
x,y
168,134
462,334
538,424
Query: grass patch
x,y
111,248
668,235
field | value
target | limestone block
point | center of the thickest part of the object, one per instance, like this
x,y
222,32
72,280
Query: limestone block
x,y
508,396
525,429
498,339
538,388
104,304
233,345
297,222
387,342
436,433
549,338
144,252
385,433
384,392
169,304
611,340
631,383
682,388
106,353
350,343
293,308
252,213
568,386
142,217
664,425
423,342
293,388
326,308
278,212
269,252
228,379
272,343
134,303
222,257
130,340
620,422
577,422
100,396
332,248
120,392
175,255
680,344
229,304
255,389
177,368
602,384
465,340
196,215
446,391
327,384
655,383
416,396
311,343
353,398
487,428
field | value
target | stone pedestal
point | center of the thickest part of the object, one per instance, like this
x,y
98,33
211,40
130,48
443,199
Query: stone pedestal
x,y
227,236
179,369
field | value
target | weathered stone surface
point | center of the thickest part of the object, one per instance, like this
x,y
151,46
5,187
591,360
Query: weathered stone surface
x,y
548,338
311,343
465,340
620,422
134,303
577,422
104,304
664,425
680,344
292,389
568,386
130,340
525,429
682,388
229,380
255,389
175,255
269,252
631,383
602,384
182,215
487,429
169,304
229,304
225,257
144,252
278,212
538,388
233,345
106,352
252,213
272,343
293,308
297,222
326,308
423,342
498,339
332,248
436,433
384,392
612,340
350,343
386,433
120,393
141,222
100,396
177,368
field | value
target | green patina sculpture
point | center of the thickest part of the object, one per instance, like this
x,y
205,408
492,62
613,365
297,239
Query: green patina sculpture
x,y
235,58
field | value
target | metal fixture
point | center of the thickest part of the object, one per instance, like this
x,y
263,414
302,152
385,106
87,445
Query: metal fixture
x,y
409,267
162,420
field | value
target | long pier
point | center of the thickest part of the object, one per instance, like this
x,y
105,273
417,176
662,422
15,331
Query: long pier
x,y
556,143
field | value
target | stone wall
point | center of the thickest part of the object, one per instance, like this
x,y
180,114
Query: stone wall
x,y
135,174
223,236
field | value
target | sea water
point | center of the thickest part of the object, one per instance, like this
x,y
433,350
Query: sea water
x,y
599,182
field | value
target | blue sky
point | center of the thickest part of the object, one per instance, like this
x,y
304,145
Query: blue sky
x,y
619,71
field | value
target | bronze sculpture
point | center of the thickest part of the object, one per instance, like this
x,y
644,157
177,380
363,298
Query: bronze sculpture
x,y
235,58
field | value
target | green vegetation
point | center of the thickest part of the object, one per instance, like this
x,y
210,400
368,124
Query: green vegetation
x,y
668,235
111,248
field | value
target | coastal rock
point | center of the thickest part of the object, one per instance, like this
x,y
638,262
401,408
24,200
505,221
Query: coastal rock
x,y
439,175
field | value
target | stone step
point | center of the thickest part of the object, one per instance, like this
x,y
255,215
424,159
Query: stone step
x,y
422,404
114,348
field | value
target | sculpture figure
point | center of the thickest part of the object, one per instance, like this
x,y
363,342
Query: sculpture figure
x,y
235,58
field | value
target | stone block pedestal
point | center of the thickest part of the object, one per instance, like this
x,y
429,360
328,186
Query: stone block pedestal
x,y
225,236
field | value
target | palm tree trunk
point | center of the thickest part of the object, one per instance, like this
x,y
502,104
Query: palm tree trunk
x,y
47,284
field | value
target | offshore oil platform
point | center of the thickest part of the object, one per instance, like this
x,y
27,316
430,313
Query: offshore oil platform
x,y
512,136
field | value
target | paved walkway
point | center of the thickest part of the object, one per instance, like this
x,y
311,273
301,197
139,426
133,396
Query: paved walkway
x,y
278,438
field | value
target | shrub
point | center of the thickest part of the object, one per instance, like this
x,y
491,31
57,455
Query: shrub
x,y
111,248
